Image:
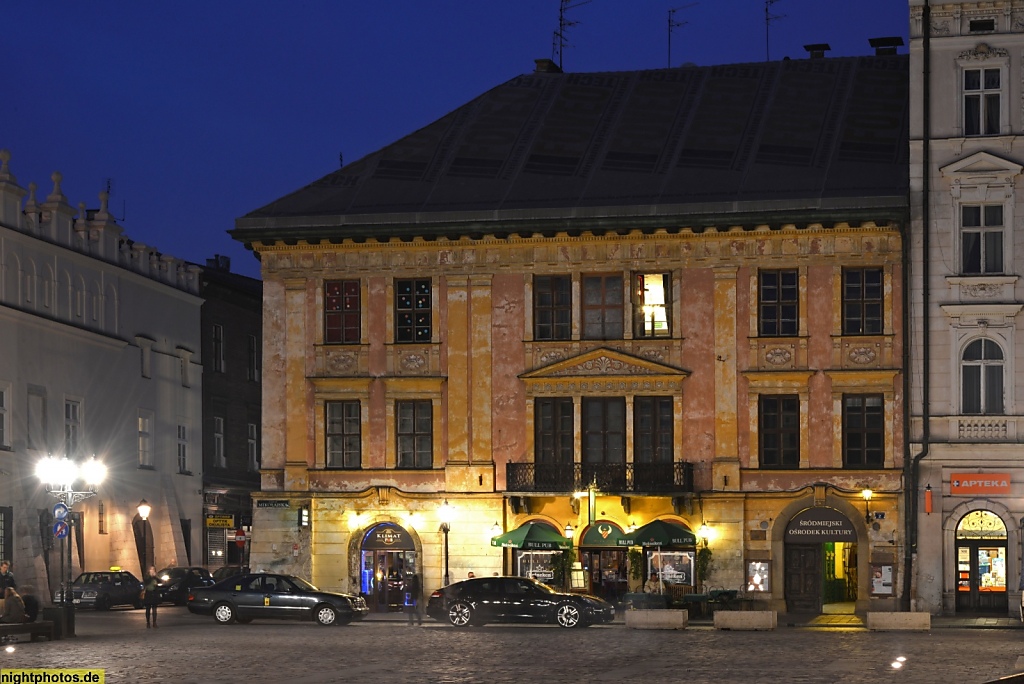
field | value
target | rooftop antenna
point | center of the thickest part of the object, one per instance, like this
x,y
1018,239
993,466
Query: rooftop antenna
x,y
672,23
341,160
768,19
560,41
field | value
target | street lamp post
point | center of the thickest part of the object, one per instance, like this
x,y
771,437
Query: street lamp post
x,y
446,526
144,508
59,476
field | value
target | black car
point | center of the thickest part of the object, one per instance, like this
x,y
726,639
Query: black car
x,y
226,571
103,590
174,584
244,598
515,599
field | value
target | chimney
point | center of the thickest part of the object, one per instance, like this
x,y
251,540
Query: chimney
x,y
818,50
886,45
546,66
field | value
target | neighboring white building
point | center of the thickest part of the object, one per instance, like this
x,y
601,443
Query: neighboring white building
x,y
99,354
967,400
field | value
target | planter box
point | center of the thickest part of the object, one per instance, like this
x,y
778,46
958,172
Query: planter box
x,y
746,619
890,622
656,619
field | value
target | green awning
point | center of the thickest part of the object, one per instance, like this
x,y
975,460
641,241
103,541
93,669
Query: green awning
x,y
536,536
659,533
602,534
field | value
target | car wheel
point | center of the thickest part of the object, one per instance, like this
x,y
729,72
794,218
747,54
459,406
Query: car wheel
x,y
568,615
326,615
102,602
224,613
460,614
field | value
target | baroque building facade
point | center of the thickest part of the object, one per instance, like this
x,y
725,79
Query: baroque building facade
x,y
966,482
99,357
589,302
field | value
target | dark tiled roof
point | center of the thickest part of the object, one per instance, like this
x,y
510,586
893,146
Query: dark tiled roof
x,y
792,137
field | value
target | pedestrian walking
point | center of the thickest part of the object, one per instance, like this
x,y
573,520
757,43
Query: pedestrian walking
x,y
150,595
6,577
413,594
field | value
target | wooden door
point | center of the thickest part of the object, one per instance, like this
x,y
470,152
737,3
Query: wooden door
x,y
803,578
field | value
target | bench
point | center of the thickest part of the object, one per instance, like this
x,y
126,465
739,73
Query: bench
x,y
40,628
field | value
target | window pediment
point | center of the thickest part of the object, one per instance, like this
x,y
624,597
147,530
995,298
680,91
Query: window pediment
x,y
603,369
981,167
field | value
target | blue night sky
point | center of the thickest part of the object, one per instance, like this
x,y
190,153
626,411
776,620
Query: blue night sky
x,y
201,111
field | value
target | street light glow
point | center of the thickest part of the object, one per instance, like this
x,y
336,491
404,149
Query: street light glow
x,y
93,472
57,471
144,509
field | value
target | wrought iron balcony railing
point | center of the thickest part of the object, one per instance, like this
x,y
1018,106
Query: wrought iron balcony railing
x,y
616,478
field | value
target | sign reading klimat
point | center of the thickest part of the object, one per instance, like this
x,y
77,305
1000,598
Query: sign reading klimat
x,y
818,525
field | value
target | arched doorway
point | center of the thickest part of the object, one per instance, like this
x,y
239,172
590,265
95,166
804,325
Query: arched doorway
x,y
821,562
387,554
981,563
604,560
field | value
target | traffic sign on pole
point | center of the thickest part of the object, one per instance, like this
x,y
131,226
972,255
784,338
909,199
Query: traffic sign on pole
x,y
60,529
240,538
60,511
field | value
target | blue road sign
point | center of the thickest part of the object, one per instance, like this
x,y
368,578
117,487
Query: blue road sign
x,y
60,511
60,529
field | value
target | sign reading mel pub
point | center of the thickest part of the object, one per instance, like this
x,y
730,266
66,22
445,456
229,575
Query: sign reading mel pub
x,y
818,525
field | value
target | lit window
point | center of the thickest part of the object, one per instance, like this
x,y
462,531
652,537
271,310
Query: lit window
x,y
651,305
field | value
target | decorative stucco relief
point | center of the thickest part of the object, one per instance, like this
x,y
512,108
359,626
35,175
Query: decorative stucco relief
x,y
603,365
340,362
981,290
982,51
778,356
862,355
413,362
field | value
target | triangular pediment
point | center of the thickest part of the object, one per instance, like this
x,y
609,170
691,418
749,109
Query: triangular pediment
x,y
604,363
981,164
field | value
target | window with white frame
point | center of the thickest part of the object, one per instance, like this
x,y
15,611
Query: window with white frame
x,y
254,448
183,449
72,427
145,439
982,379
981,238
219,459
982,101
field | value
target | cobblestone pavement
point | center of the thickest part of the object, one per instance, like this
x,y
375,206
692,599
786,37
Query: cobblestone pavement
x,y
189,648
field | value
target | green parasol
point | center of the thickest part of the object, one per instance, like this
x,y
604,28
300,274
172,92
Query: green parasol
x,y
659,533
536,536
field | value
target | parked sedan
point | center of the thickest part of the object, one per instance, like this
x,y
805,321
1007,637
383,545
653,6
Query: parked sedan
x,y
174,584
249,597
515,599
226,571
103,590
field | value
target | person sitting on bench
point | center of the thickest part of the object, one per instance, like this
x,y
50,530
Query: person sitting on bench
x,y
13,607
